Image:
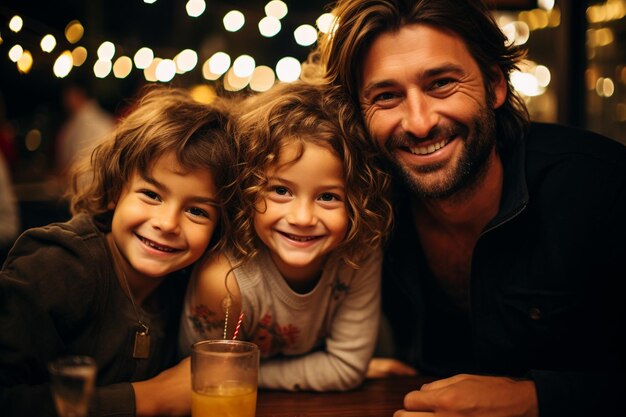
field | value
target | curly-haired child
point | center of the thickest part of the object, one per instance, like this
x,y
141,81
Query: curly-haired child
x,y
302,274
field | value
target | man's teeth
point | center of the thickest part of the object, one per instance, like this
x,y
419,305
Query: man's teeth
x,y
425,150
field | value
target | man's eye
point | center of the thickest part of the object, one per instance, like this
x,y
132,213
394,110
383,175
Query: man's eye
x,y
444,82
386,96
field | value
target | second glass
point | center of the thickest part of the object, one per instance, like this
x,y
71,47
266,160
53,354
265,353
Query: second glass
x,y
72,379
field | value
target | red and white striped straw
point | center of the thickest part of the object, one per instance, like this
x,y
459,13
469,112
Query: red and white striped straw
x,y
238,326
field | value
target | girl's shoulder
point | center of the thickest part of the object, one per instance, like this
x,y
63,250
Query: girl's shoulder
x,y
214,277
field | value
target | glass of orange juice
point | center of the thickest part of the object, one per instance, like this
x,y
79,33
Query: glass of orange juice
x,y
224,378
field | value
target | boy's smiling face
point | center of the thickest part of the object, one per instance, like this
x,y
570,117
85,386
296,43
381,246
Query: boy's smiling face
x,y
164,222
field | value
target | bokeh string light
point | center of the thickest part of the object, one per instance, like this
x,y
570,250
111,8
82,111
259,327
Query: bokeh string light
x,y
157,68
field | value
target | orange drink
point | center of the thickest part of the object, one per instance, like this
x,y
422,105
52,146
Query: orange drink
x,y
224,378
224,401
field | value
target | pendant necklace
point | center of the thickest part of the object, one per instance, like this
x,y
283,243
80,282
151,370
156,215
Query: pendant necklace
x,y
141,347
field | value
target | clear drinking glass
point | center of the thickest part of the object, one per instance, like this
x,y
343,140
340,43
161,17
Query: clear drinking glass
x,y
224,378
72,381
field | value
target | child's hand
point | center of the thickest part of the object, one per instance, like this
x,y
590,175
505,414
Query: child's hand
x,y
386,367
167,394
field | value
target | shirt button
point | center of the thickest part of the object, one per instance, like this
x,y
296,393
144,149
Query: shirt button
x,y
534,313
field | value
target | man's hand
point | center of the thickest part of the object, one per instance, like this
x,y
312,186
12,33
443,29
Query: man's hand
x,y
472,395
385,367
167,394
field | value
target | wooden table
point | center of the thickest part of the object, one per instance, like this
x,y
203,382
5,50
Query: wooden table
x,y
376,398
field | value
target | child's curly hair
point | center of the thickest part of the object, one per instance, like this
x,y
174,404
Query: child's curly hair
x,y
162,120
306,113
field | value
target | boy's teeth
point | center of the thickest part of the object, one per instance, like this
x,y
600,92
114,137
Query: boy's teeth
x,y
155,246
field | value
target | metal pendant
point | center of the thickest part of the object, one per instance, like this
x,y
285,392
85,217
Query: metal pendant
x,y
141,350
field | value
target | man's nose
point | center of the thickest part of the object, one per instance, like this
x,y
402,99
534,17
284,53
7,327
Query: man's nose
x,y
419,116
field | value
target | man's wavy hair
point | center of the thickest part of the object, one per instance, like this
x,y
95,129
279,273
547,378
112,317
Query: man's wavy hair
x,y
360,22
304,113
161,120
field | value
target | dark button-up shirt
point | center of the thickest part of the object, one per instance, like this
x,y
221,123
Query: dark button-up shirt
x,y
547,279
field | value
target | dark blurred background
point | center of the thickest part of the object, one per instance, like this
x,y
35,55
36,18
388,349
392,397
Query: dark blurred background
x,y
575,72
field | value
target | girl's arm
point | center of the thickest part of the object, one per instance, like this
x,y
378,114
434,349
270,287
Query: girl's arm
x,y
349,346
206,303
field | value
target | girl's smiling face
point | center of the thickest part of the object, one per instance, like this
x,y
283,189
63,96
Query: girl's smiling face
x,y
302,215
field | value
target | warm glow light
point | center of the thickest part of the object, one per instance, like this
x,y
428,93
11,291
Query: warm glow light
x,y
143,58
79,56
106,51
607,11
203,93
243,66
122,67
186,60
16,23
288,69
605,87
604,37
219,63
207,73
305,35
25,63
517,32
32,140
525,84
546,4
149,72
263,78
48,43
195,7
276,8
165,70
15,53
542,73
102,68
269,26
63,64
232,82
74,31
325,22
234,20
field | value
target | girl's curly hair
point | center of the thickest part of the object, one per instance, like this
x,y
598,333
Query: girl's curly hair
x,y
307,113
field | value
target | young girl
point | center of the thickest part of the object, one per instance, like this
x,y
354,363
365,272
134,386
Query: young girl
x,y
110,282
302,276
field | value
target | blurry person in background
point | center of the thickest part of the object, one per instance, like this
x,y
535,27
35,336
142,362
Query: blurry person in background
x,y
9,212
87,123
7,137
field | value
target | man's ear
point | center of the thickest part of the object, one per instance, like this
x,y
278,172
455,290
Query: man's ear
x,y
499,88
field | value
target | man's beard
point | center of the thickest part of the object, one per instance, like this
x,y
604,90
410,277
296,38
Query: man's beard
x,y
479,138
